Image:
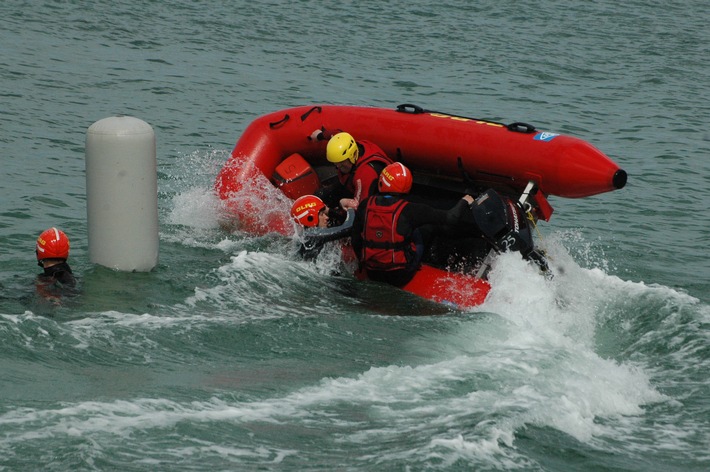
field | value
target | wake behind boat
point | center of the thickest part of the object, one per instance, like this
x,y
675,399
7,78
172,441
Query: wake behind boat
x,y
512,169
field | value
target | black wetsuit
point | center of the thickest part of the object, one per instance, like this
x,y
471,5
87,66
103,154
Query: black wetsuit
x,y
56,281
339,226
59,273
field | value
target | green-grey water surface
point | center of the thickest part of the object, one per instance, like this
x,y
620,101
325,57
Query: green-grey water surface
x,y
233,355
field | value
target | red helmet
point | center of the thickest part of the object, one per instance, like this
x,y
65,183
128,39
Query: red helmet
x,y
52,244
305,210
395,178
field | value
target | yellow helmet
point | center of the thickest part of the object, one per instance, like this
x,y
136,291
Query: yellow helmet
x,y
340,147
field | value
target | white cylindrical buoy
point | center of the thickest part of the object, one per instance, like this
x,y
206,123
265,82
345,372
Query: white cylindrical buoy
x,y
122,194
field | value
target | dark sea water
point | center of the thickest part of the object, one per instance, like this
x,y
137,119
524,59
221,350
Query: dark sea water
x,y
233,355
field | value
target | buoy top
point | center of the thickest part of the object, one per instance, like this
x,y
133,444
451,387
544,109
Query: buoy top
x,y
120,126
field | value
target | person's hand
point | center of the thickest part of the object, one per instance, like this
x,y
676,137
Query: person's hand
x,y
472,191
348,203
468,198
317,135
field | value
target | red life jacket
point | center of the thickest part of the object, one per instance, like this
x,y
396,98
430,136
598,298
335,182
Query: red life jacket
x,y
373,156
383,248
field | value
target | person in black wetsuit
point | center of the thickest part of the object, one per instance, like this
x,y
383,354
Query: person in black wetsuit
x,y
310,211
387,234
318,224
52,251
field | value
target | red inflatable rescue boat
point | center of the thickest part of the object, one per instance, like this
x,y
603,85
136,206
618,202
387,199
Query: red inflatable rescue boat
x,y
446,153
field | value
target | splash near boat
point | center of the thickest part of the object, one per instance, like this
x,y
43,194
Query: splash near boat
x,y
510,170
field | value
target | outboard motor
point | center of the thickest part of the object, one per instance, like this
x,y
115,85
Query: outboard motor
x,y
503,224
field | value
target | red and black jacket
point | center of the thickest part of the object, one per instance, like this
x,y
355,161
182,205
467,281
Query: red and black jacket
x,y
383,248
371,155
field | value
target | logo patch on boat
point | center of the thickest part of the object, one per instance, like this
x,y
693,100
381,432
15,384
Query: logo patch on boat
x,y
545,136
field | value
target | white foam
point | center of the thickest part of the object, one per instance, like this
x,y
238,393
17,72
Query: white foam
x,y
541,360
258,285
196,208
542,364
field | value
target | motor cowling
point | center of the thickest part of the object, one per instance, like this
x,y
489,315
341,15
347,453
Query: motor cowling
x,y
503,224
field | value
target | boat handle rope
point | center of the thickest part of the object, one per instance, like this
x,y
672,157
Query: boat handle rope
x,y
281,122
520,127
533,222
409,108
526,206
305,115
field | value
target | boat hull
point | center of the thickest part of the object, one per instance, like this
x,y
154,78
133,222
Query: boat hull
x,y
430,143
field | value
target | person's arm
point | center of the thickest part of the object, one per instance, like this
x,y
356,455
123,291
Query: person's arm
x,y
415,215
352,203
356,233
461,211
365,183
419,214
313,235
